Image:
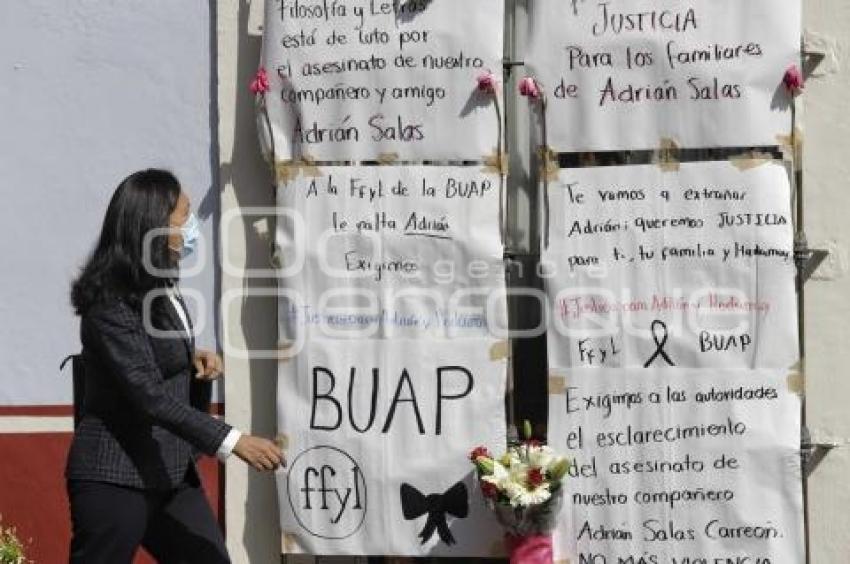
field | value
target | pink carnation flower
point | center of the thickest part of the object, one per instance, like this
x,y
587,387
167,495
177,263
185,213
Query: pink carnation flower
x,y
793,80
480,451
260,83
487,82
529,88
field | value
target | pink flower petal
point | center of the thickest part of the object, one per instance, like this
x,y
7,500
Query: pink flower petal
x,y
529,88
260,83
487,82
793,80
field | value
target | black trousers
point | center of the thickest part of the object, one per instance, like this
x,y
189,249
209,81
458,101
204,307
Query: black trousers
x,y
109,523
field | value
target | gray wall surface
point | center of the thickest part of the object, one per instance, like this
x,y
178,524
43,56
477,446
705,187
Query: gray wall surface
x,y
90,91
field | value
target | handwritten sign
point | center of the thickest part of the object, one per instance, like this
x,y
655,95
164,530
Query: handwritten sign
x,y
361,79
625,74
687,268
384,251
378,434
679,466
392,279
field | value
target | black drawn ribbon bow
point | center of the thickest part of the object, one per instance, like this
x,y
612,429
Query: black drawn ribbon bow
x,y
455,502
660,336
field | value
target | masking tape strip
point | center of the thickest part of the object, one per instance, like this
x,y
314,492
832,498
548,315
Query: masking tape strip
x,y
563,561
282,441
289,543
557,384
792,145
549,166
309,166
749,160
796,381
500,351
786,141
287,171
494,163
667,155
388,158
284,351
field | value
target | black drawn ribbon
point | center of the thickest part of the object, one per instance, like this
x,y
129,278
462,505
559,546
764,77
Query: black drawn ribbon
x,y
455,502
660,341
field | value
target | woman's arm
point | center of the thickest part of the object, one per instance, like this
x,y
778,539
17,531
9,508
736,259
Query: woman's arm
x,y
117,336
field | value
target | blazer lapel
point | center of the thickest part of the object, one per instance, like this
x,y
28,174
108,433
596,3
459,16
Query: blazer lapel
x,y
190,336
177,324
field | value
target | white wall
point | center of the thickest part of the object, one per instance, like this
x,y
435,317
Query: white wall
x,y
89,92
826,125
251,510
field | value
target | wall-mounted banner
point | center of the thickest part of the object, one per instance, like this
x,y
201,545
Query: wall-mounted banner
x,y
658,268
679,466
625,74
364,79
392,297
377,435
387,252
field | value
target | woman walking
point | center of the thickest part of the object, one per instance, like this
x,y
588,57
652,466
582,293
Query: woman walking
x,y
131,474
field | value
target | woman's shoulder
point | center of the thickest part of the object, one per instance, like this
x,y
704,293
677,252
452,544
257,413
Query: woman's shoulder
x,y
113,309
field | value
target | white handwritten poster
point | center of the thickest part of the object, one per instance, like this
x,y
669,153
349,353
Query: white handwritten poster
x,y
625,74
378,434
386,252
679,466
392,289
672,345
363,79
688,268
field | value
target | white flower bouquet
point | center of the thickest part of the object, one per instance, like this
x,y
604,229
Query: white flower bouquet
x,y
523,487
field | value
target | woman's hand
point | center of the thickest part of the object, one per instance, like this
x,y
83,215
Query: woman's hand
x,y
209,365
260,453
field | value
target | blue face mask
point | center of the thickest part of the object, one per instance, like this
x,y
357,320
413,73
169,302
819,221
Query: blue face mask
x,y
190,232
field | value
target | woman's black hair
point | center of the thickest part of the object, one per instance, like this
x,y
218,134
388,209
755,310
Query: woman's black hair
x,y
116,268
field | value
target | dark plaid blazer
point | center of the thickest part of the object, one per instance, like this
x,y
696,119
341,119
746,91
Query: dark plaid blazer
x,y
144,414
